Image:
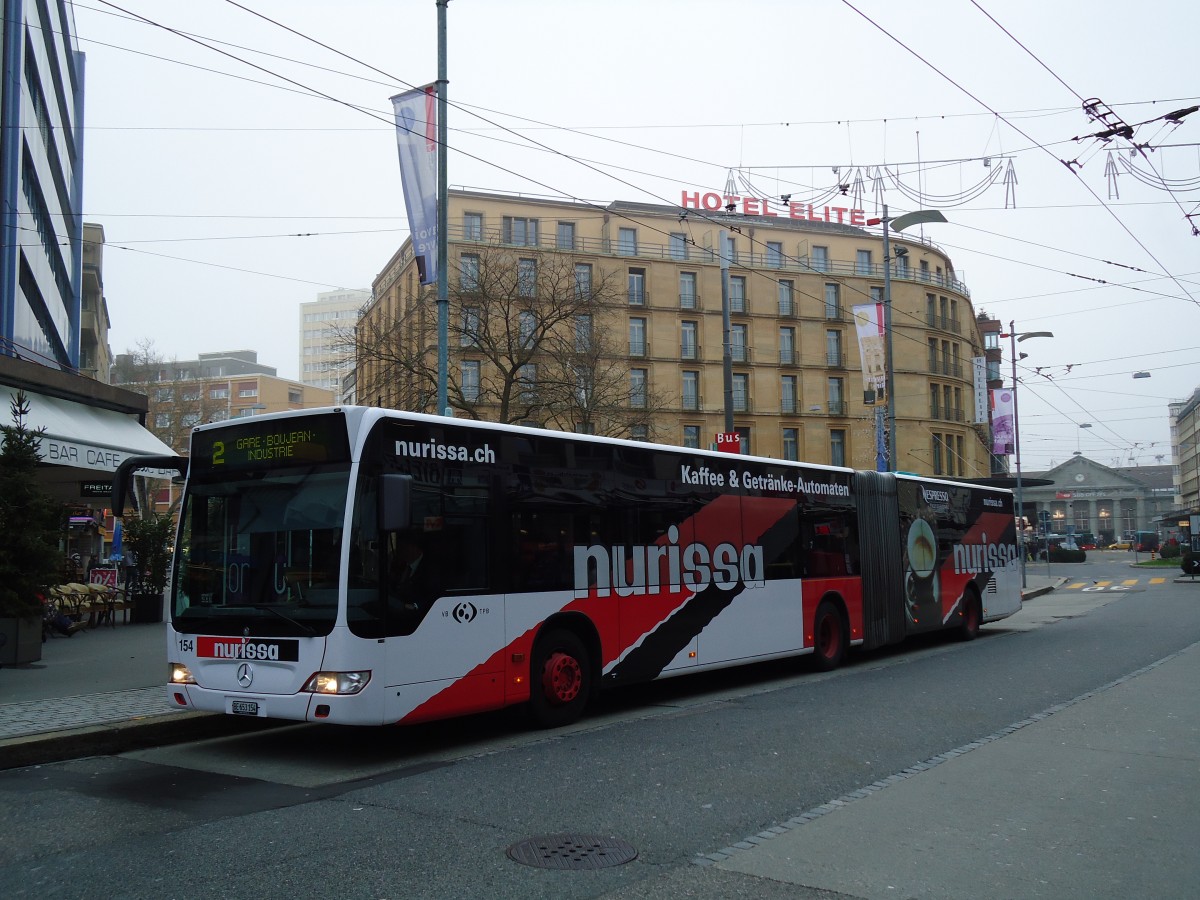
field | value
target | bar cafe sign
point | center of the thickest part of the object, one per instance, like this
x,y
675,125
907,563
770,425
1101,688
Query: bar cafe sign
x,y
711,201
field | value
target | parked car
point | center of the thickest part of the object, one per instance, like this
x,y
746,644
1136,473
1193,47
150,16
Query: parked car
x,y
1123,544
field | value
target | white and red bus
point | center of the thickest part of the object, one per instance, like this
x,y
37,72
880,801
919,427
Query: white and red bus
x,y
366,566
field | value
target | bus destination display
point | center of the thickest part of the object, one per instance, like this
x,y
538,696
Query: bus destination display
x,y
315,439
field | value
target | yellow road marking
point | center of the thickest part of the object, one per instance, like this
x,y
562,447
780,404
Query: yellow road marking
x,y
1128,581
1104,583
1078,584
1157,580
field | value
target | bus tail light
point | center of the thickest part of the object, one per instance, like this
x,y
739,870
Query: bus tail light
x,y
337,682
180,674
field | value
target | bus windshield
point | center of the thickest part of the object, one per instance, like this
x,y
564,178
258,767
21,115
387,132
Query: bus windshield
x,y
261,550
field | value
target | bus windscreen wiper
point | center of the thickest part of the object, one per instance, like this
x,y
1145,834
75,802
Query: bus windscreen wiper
x,y
305,628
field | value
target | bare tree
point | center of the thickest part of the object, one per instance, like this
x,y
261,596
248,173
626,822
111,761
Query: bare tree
x,y
177,400
532,339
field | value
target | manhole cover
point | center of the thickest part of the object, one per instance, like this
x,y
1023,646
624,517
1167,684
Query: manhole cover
x,y
571,851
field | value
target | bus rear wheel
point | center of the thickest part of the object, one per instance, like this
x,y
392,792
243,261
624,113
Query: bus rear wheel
x,y
560,679
829,637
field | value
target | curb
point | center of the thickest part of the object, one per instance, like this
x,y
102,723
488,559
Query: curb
x,y
121,737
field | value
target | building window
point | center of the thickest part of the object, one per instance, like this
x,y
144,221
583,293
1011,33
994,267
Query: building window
x,y
741,392
583,281
743,434
787,395
687,290
468,273
691,390
189,420
639,432
583,333
835,389
737,293
565,239
993,370
679,248
527,381
637,336
527,325
787,298
934,400
469,335
787,346
687,349
901,264
939,466
820,259
295,397
876,293
837,447
774,254
833,347
738,350
164,395
991,340
637,388
791,444
248,392
473,226
636,284
862,262
833,301
162,420
470,380
520,231
221,393
526,277
691,436
627,241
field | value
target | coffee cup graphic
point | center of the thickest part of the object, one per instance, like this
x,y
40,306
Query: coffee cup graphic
x,y
922,549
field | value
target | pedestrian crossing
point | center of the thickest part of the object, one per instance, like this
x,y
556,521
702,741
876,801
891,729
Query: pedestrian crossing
x,y
1114,584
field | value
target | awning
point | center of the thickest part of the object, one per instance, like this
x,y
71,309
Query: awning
x,y
83,442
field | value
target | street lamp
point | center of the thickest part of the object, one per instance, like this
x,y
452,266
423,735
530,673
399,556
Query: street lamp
x,y
1013,337
919,217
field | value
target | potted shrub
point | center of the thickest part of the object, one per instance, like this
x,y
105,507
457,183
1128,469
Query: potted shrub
x,y
30,525
149,539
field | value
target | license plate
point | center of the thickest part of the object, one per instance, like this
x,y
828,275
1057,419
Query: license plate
x,y
243,707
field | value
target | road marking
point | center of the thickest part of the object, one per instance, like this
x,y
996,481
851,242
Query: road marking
x,y
1157,580
1104,583
1128,581
1076,585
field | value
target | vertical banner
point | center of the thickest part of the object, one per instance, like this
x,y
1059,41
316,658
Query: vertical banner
x,y
1003,422
416,139
869,323
981,392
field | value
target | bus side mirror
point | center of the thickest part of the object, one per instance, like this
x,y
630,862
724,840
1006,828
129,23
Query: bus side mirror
x,y
395,501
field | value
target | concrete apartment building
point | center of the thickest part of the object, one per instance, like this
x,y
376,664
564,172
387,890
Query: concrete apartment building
x,y
324,322
797,390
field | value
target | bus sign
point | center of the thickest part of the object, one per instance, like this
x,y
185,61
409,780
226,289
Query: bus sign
x,y
266,443
729,442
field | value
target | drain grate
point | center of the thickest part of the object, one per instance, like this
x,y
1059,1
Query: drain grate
x,y
572,851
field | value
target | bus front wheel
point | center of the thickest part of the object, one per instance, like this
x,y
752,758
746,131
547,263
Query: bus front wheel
x,y
829,637
972,617
560,679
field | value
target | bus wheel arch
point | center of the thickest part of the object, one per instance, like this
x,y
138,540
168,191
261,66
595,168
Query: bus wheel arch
x,y
831,633
562,671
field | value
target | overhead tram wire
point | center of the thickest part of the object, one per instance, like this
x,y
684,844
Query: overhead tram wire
x,y
322,95
1141,150
1020,131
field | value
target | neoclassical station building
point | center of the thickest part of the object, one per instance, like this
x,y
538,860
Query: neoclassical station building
x,y
608,319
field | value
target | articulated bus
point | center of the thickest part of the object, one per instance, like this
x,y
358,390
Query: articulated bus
x,y
366,566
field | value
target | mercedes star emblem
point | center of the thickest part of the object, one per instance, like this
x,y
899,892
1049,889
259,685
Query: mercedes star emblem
x,y
245,674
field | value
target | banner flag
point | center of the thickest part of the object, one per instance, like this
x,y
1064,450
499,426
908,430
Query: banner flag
x,y
869,323
1003,422
416,139
979,366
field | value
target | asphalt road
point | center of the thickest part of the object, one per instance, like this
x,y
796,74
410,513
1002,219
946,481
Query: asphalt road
x,y
676,769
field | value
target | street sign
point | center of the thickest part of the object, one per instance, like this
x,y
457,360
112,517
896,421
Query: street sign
x,y
729,442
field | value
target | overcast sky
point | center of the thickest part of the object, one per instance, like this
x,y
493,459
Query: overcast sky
x,y
229,195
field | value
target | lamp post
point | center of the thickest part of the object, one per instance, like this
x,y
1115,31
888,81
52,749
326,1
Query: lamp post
x,y
919,217
1013,337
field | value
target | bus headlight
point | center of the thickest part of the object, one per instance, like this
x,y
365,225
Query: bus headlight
x,y
337,682
180,674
